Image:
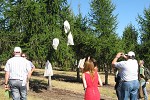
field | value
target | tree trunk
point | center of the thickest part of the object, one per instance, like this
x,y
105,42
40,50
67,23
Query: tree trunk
x,y
106,74
78,74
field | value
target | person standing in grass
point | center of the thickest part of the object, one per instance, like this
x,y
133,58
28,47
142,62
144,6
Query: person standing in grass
x,y
91,81
95,64
129,75
17,74
142,79
32,67
118,83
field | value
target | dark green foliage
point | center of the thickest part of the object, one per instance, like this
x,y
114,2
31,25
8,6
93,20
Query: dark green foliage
x,y
130,38
102,18
33,24
103,24
144,49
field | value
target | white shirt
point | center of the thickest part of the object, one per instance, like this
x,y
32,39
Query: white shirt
x,y
17,67
128,69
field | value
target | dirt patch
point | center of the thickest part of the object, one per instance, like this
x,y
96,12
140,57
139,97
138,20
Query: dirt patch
x,y
60,94
57,94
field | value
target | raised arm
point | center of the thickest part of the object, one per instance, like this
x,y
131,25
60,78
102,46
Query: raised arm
x,y
120,54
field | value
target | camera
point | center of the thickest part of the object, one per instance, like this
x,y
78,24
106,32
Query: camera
x,y
121,53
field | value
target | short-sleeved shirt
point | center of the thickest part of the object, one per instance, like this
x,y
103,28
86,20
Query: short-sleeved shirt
x,y
128,69
31,64
17,67
142,73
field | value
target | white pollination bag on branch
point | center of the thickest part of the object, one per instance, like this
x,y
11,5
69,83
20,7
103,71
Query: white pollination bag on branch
x,y
66,26
70,39
55,43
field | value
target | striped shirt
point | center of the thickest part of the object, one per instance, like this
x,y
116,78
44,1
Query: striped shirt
x,y
17,67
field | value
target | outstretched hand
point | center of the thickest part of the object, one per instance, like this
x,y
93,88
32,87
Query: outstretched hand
x,y
147,82
6,87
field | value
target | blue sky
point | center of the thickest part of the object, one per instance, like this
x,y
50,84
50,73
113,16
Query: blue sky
x,y
127,11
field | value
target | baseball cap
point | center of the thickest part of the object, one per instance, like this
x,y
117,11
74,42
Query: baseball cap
x,y
17,49
131,53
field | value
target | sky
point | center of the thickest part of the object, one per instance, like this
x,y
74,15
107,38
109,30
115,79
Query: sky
x,y
127,11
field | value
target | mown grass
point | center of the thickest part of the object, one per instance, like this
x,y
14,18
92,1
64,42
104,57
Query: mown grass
x,y
77,87
106,90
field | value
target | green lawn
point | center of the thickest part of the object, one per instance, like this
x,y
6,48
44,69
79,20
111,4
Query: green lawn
x,y
106,90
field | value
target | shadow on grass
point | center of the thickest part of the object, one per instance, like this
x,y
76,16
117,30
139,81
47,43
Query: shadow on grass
x,y
58,77
37,85
35,73
66,78
2,75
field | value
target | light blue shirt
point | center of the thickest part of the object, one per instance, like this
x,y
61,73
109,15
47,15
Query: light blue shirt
x,y
31,64
128,69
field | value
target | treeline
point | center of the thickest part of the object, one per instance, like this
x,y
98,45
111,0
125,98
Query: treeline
x,y
33,24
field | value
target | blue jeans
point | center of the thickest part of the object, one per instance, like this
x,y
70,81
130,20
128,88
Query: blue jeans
x,y
143,84
129,89
18,91
118,90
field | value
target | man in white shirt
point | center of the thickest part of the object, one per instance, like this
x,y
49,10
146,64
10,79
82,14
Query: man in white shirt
x,y
17,74
129,75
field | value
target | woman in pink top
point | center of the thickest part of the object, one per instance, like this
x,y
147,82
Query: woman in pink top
x,y
91,81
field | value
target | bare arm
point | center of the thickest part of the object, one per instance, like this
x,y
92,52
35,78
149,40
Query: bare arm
x,y
99,80
6,80
84,81
6,77
29,75
120,54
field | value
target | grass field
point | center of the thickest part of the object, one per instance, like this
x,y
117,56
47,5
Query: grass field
x,y
61,83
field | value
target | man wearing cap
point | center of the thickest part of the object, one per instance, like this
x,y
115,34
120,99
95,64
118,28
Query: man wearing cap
x,y
129,75
17,74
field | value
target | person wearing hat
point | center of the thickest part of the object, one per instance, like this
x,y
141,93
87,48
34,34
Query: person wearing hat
x,y
129,75
17,74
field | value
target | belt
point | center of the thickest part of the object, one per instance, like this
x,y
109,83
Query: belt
x,y
124,81
16,79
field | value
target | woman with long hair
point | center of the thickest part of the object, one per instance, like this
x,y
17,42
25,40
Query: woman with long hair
x,y
91,81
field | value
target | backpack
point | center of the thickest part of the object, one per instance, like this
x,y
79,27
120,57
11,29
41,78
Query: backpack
x,y
146,73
